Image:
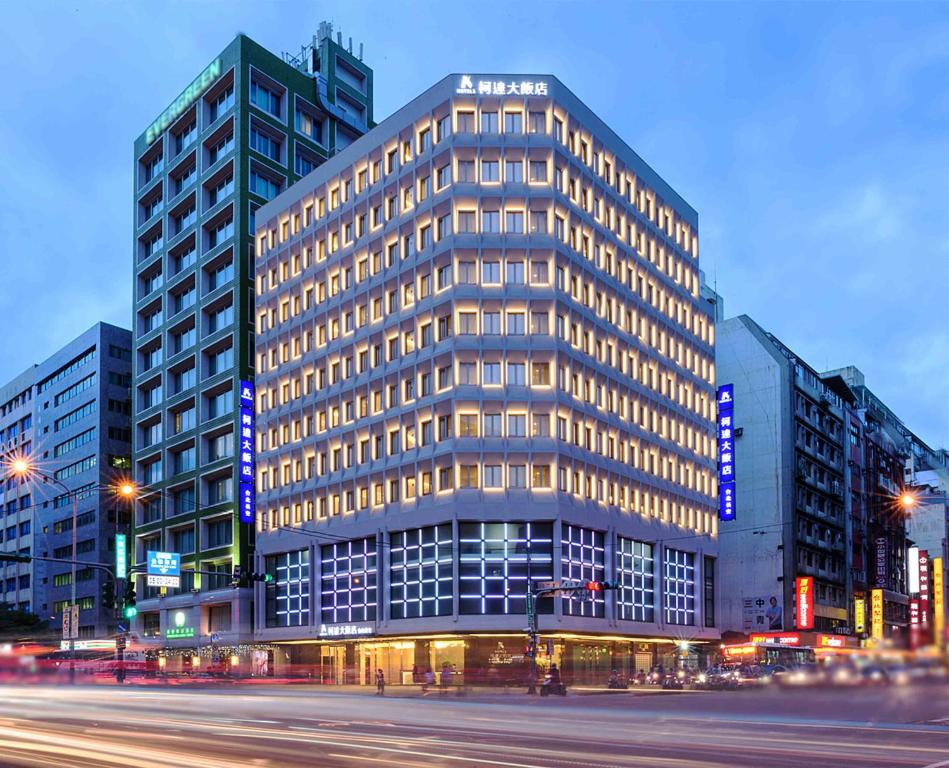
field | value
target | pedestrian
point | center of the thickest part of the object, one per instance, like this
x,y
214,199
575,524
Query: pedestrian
x,y
428,680
445,679
380,683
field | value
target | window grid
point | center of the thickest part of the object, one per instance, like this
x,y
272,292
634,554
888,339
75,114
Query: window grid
x,y
288,595
582,557
497,562
680,587
636,596
421,572
348,581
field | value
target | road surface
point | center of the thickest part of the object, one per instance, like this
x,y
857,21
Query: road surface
x,y
289,727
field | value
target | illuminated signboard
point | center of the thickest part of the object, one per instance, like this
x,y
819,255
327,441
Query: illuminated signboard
x,y
164,569
912,569
185,100
831,641
924,589
939,605
248,502
781,638
179,631
859,615
468,87
347,630
121,556
726,452
881,553
876,614
804,587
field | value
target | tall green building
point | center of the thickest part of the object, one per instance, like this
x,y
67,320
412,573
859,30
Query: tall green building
x,y
249,125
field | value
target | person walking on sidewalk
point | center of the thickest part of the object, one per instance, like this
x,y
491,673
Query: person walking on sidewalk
x,y
445,679
428,680
380,683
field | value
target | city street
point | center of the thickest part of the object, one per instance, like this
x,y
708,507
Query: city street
x,y
153,727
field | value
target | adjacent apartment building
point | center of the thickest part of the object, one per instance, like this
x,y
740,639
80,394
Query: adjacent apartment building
x,y
819,474
247,127
70,416
483,364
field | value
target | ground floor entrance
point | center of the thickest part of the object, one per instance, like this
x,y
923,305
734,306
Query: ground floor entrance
x,y
495,659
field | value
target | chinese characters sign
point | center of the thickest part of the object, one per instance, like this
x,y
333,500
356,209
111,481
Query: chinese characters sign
x,y
164,569
881,569
876,614
121,556
804,586
924,589
726,452
246,466
468,87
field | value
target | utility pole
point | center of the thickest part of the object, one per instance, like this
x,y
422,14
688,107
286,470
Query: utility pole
x,y
531,642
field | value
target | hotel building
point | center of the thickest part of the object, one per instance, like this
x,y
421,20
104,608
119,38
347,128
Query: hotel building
x,y
249,125
482,364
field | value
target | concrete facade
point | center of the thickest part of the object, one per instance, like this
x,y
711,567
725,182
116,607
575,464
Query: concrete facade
x,y
483,363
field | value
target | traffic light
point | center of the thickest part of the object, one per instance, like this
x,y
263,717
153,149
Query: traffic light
x,y
265,577
238,578
108,595
530,650
601,586
128,604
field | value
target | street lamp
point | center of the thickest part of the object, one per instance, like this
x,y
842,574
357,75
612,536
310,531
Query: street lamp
x,y
908,500
24,469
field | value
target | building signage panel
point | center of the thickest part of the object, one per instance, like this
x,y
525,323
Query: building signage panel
x,y
880,563
347,630
121,556
804,588
859,615
248,501
923,561
939,605
179,633
912,569
726,452
781,638
164,563
876,614
155,580
468,86
185,100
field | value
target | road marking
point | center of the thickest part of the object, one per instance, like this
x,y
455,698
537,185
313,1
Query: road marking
x,y
938,765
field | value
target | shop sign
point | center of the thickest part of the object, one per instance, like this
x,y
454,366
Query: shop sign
x,y
912,570
831,641
880,562
467,87
781,638
939,607
179,633
876,614
924,589
804,588
121,556
859,615
185,100
248,503
347,630
726,452
88,645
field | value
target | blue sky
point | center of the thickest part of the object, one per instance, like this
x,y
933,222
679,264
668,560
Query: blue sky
x,y
811,139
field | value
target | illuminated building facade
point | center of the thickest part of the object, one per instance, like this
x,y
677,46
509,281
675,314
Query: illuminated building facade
x,y
248,126
69,417
482,363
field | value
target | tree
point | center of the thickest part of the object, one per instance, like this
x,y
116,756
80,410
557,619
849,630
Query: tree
x,y
17,624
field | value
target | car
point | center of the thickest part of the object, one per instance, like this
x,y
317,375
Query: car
x,y
873,674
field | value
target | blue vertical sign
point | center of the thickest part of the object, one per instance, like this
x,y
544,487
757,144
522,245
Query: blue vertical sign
x,y
726,452
247,501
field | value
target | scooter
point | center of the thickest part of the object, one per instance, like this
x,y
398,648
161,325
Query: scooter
x,y
617,683
549,687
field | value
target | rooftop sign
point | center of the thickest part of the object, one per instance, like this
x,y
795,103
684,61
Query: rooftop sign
x,y
467,86
185,100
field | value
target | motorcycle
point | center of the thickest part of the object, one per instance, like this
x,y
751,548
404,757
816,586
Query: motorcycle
x,y
617,682
549,687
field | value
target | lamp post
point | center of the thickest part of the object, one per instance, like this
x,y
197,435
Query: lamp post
x,y
22,468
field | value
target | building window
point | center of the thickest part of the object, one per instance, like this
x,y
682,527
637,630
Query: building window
x,y
499,562
421,572
288,595
266,99
679,570
636,596
349,581
709,591
582,557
